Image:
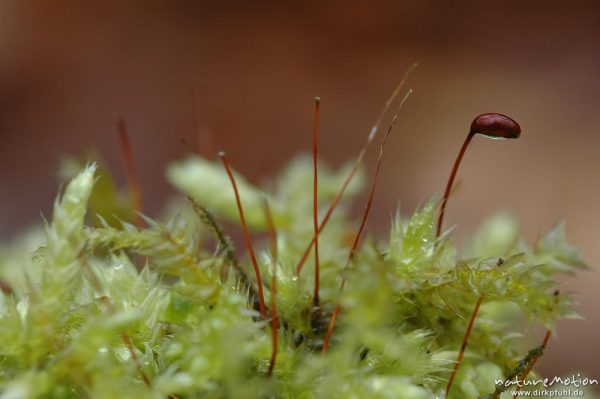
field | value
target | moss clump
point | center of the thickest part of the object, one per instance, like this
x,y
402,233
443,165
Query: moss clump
x,y
113,310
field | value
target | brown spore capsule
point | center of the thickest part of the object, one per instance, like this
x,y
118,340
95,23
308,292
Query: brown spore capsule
x,y
495,126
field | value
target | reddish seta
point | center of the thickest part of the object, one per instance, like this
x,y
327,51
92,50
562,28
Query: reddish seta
x,y
495,126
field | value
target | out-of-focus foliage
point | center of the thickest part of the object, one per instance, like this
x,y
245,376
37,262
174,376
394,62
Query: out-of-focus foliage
x,y
108,202
177,293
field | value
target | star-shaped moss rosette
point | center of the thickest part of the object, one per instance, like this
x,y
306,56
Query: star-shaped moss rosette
x,y
167,308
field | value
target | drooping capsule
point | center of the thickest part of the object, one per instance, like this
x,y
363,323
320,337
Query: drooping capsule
x,y
492,125
495,126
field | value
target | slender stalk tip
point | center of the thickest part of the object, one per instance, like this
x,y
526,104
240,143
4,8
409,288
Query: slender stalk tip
x,y
363,220
315,199
356,164
263,308
132,174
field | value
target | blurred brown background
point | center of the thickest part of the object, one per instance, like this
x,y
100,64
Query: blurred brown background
x,y
68,67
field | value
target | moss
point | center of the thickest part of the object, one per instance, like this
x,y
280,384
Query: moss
x,y
177,292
